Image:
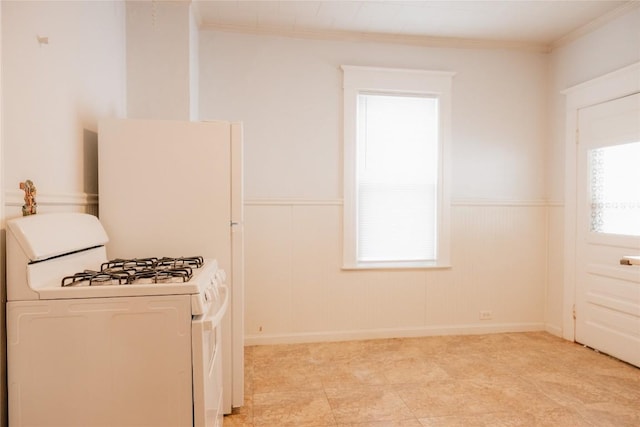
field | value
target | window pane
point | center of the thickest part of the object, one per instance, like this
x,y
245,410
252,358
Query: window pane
x,y
615,189
397,177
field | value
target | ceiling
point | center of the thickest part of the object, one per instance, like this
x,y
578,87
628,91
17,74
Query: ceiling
x,y
539,23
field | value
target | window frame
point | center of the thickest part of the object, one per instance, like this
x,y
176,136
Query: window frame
x,y
358,79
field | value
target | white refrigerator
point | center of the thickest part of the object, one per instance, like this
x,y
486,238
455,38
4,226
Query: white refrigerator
x,y
174,188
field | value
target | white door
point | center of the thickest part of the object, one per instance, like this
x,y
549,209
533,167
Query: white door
x,y
608,228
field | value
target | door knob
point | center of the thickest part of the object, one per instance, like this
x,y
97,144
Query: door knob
x,y
630,260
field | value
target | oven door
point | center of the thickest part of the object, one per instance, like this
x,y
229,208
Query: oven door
x,y
207,363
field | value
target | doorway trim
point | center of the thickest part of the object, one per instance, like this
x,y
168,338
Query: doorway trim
x,y
619,83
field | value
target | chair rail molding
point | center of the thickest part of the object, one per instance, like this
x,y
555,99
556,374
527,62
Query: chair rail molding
x,y
454,202
87,202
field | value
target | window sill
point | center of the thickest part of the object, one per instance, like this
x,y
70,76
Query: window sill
x,y
397,265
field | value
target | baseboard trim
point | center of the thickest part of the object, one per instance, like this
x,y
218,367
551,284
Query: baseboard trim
x,y
554,330
355,335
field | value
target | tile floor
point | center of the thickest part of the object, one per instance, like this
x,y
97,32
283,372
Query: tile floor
x,y
514,379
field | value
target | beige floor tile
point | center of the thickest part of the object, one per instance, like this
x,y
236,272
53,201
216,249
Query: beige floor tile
x,y
352,373
612,414
484,344
464,366
429,346
457,421
569,389
447,398
410,422
296,409
413,370
284,368
515,394
233,421
366,404
558,417
286,378
524,361
338,352
561,416
513,379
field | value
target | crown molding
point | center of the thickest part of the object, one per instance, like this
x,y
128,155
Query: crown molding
x,y
354,36
425,41
628,7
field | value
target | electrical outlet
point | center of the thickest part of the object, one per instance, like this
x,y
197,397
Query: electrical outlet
x,y
486,315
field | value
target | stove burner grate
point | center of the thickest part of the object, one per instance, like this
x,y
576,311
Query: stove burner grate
x,y
137,270
125,264
193,262
137,263
97,278
159,275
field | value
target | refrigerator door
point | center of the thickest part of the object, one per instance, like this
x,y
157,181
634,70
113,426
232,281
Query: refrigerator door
x,y
165,188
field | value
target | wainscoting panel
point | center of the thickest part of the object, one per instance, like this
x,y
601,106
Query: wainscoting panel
x,y
555,285
297,291
268,268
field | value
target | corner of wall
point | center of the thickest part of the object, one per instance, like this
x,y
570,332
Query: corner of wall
x,y
3,287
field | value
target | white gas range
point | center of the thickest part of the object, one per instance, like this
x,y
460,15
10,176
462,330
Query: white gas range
x,y
93,342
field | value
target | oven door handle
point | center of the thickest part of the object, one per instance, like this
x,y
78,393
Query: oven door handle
x,y
211,323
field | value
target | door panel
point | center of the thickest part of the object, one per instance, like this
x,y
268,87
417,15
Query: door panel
x,y
608,228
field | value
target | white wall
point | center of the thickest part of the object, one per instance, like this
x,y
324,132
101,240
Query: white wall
x,y
53,95
194,65
288,93
158,59
51,98
606,49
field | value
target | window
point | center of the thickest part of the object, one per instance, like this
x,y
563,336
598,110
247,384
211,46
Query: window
x,y
396,201
615,199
